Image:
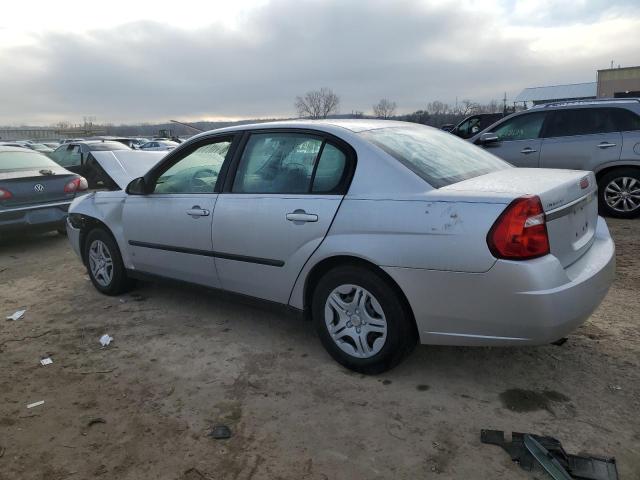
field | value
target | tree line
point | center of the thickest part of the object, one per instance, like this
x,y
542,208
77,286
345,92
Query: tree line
x,y
323,103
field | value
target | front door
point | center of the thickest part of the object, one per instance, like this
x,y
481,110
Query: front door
x,y
286,190
519,139
169,230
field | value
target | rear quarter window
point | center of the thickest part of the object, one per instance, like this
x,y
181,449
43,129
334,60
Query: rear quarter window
x,y
437,157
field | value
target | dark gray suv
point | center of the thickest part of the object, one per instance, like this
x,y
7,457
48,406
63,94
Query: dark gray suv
x,y
598,135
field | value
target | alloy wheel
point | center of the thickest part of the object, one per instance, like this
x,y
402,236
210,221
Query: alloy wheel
x,y
355,321
623,194
100,263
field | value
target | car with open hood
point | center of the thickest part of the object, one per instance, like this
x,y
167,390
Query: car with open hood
x,y
382,233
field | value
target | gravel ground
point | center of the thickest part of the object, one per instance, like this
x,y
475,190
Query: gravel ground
x,y
184,359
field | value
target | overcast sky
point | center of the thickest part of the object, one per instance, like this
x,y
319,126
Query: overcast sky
x,y
133,61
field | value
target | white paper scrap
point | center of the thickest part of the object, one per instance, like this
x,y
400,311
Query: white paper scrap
x,y
105,340
35,404
46,361
17,315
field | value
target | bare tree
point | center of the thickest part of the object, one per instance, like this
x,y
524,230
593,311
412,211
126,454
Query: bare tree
x,y
384,109
317,103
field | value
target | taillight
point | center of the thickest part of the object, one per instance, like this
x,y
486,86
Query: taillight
x,y
78,184
520,232
5,194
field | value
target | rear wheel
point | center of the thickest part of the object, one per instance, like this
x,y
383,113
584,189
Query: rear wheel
x,y
104,263
361,320
619,193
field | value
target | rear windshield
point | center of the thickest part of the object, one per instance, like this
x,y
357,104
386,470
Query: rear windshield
x,y
96,147
24,160
437,157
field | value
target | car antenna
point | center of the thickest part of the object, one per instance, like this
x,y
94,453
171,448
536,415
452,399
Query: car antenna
x,y
187,125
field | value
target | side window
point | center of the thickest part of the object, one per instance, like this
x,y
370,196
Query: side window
x,y
330,170
522,127
197,172
584,121
626,120
277,163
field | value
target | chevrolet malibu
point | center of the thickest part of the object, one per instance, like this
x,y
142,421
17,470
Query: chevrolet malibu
x,y
383,233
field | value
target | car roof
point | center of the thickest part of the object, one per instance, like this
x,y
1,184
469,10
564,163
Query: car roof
x,y
355,125
594,102
7,148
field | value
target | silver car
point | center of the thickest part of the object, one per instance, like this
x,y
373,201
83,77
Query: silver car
x,y
383,233
598,135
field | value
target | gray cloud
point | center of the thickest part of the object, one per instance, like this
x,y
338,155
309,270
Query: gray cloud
x,y
402,50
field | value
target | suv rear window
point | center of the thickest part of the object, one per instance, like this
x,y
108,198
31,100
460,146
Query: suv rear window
x,y
437,157
583,121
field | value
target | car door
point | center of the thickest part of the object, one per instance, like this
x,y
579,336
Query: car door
x,y
580,139
519,139
68,156
169,230
277,209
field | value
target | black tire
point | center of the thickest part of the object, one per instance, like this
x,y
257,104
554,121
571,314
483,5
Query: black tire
x,y
119,283
605,180
401,331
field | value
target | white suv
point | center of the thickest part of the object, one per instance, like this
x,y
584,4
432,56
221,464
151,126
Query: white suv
x,y
598,135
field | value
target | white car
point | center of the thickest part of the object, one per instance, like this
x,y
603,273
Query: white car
x,y
384,233
158,145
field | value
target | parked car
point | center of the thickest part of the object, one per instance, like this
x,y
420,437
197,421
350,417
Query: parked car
x,y
473,124
382,232
35,192
602,136
158,145
77,157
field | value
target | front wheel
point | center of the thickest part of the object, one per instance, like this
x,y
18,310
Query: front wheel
x,y
619,193
361,320
104,263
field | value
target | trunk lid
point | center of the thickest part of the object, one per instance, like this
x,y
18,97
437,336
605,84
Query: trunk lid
x,y
36,186
569,199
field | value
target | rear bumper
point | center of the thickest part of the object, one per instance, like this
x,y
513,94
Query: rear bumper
x,y
42,217
531,302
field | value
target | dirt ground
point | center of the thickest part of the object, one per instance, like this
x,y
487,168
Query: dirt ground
x,y
184,359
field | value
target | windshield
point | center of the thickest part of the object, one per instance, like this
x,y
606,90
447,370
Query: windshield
x,y
24,160
107,146
437,157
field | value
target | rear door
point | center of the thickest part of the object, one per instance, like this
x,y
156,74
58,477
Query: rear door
x,y
276,209
519,139
69,157
169,230
580,139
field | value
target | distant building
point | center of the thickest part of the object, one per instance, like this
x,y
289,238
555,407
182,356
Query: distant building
x,y
557,93
619,82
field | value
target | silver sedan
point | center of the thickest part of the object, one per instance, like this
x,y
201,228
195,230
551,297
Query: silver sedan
x,y
384,233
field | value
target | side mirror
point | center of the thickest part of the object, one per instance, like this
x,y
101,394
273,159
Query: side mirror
x,y
137,186
488,138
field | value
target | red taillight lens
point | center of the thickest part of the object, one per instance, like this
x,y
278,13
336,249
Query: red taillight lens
x,y
5,194
78,184
520,232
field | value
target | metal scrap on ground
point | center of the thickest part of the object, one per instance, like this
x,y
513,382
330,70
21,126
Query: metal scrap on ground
x,y
16,315
35,404
105,340
46,361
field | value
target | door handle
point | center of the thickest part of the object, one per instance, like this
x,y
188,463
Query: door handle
x,y
301,216
196,211
606,145
528,150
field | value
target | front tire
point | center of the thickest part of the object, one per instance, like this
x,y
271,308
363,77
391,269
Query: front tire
x,y
362,321
619,193
104,263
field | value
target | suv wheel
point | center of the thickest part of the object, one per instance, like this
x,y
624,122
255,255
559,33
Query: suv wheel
x,y
104,263
361,320
619,193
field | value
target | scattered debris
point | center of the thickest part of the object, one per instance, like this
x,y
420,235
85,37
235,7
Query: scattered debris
x,y
122,300
583,467
105,340
46,361
95,421
220,432
16,315
615,387
2,450
35,404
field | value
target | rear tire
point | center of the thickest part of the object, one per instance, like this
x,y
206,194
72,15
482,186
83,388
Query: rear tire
x,y
104,263
619,193
362,321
